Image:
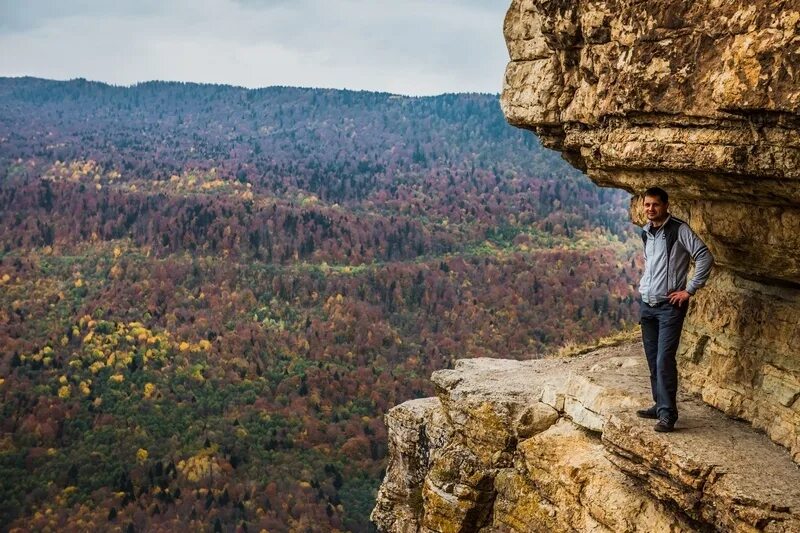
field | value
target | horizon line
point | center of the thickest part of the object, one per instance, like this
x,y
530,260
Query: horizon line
x,y
239,87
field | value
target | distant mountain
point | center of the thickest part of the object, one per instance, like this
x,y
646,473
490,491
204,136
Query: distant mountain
x,y
211,295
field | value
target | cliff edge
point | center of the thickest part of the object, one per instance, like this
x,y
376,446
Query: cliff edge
x,y
553,445
701,98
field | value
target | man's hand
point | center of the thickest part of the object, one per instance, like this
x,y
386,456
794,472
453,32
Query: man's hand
x,y
679,298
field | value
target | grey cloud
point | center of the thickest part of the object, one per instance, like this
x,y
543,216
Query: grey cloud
x,y
412,47
19,15
260,4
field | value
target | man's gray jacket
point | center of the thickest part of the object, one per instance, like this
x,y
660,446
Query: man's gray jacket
x,y
667,250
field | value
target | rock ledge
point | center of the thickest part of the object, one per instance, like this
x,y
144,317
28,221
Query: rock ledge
x,y
703,99
552,445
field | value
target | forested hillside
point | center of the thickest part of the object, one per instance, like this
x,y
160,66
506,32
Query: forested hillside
x,y
209,296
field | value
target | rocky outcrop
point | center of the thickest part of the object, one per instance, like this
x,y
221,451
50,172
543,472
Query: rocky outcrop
x,y
703,99
552,445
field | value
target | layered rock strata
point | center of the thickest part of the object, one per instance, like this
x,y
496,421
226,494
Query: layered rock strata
x,y
552,445
703,99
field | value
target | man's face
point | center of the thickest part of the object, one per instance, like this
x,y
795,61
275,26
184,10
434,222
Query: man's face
x,y
655,209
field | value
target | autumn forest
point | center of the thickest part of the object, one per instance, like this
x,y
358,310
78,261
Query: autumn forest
x,y
210,296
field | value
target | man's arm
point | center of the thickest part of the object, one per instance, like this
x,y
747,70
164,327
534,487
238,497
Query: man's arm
x,y
703,260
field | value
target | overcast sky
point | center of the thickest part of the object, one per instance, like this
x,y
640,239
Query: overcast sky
x,y
417,47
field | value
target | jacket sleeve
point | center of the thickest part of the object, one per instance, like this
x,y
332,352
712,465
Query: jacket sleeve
x,y
703,260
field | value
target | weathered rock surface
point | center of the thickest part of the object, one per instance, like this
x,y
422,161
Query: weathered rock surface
x,y
703,99
552,445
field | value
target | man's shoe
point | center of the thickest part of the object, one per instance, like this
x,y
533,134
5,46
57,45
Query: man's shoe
x,y
647,413
664,425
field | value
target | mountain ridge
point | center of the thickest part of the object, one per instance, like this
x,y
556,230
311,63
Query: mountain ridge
x,y
207,303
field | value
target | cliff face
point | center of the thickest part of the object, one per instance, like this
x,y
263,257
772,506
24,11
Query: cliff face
x,y
703,99
553,445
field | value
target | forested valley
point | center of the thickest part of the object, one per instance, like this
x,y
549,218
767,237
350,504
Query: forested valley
x,y
210,296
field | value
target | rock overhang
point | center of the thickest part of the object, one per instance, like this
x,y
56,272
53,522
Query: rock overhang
x,y
701,98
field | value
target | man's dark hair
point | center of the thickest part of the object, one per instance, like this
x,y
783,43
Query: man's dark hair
x,y
658,191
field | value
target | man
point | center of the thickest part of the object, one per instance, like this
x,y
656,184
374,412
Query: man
x,y
669,244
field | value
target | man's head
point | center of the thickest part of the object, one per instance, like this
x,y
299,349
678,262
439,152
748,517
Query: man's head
x,y
656,204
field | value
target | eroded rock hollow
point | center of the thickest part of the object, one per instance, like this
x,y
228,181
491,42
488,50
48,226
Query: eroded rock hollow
x,y
703,99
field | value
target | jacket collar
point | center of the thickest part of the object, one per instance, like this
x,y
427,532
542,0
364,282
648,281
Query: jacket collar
x,y
647,227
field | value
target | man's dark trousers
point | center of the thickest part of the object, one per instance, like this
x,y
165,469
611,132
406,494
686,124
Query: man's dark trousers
x,y
661,334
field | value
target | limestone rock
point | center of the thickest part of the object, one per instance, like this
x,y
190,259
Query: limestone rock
x,y
551,445
564,481
718,470
399,505
703,99
491,406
